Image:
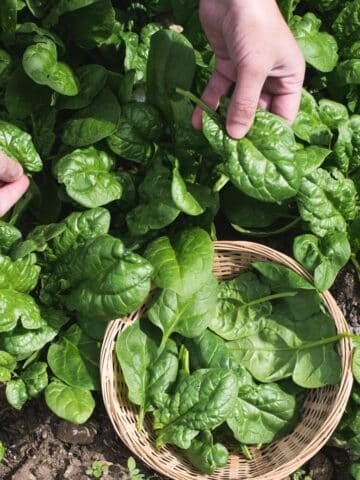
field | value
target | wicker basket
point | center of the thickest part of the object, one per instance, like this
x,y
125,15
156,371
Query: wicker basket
x,y
322,409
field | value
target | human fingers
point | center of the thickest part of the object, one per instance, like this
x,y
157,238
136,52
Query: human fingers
x,y
11,193
245,99
265,101
10,170
217,86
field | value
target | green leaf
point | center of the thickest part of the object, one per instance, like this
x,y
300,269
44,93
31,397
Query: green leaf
x,y
8,16
21,275
327,200
18,145
356,364
244,211
311,158
241,302
2,451
37,240
88,177
94,122
183,263
15,307
91,26
262,414
139,127
64,6
206,455
35,378
75,405
92,79
183,199
156,208
7,365
22,343
122,279
8,236
40,63
79,227
188,315
16,393
208,351
261,165
308,125
318,48
148,373
332,113
323,257
82,353
355,470
287,345
280,278
201,401
164,72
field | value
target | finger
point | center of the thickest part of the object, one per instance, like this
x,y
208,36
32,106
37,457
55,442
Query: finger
x,y
244,100
217,86
10,170
11,193
265,101
286,105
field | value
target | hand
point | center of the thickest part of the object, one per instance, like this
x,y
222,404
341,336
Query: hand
x,y
13,183
254,49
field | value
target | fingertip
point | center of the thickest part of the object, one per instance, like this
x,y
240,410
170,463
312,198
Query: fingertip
x,y
237,131
197,118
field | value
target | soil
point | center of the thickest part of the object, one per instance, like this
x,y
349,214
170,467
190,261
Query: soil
x,y
40,446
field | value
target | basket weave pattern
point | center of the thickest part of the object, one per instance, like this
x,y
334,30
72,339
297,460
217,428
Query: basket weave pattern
x,y
322,409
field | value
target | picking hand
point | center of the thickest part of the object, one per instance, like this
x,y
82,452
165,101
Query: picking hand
x,y
13,183
256,51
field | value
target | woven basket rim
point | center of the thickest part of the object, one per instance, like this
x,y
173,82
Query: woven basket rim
x,y
153,459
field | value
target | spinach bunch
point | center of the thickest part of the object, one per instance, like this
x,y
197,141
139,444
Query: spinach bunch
x,y
239,365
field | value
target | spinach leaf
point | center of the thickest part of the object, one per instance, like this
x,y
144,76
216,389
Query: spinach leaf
x,y
183,199
41,64
280,278
8,16
188,315
18,145
82,353
201,401
164,73
8,236
122,278
183,263
287,345
7,365
318,48
262,414
327,200
94,122
262,165
18,307
75,405
206,455
21,275
87,176
139,127
35,378
148,372
208,351
241,303
16,393
322,257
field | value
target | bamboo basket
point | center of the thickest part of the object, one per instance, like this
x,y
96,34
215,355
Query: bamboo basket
x,y
322,408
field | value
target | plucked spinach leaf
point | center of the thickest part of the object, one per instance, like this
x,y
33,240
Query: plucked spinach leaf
x,y
183,263
188,315
201,401
206,455
208,351
148,372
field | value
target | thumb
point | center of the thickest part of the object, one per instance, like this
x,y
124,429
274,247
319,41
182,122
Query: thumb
x,y
10,170
245,100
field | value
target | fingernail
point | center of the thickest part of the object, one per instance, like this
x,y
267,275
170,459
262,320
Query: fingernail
x,y
237,131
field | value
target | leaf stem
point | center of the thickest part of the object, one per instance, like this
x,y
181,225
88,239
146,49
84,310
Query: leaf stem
x,y
274,296
198,102
262,233
140,421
